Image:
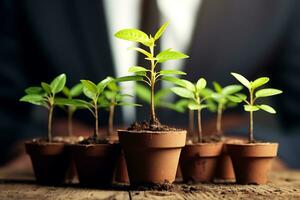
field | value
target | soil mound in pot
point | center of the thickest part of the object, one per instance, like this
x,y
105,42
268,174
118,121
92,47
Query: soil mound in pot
x,y
146,126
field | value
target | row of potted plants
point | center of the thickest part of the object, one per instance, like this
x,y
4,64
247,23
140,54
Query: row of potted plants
x,y
151,149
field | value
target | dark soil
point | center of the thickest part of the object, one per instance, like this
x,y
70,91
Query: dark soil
x,y
94,140
146,126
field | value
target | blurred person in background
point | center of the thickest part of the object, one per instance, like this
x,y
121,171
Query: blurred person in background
x,y
41,39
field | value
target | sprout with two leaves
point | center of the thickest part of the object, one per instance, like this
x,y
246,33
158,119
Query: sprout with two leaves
x,y
195,93
151,74
44,95
224,98
250,105
70,94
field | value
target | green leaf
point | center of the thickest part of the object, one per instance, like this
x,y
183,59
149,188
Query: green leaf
x,y
259,82
134,35
113,86
76,90
66,92
189,85
158,97
102,84
231,89
241,96
182,92
146,53
168,72
195,106
174,80
58,84
170,55
234,99
217,87
143,93
34,90
35,99
110,95
267,92
46,87
201,84
267,108
78,103
135,69
161,30
241,79
217,96
129,78
249,108
89,88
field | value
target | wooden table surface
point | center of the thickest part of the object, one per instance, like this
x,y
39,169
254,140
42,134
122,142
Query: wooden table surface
x,y
282,185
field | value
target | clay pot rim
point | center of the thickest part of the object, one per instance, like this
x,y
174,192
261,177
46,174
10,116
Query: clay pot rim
x,y
123,131
92,145
44,143
204,144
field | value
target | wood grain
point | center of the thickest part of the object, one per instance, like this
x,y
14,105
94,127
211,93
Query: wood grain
x,y
282,185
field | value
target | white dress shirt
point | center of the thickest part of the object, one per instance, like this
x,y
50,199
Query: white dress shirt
x,y
122,14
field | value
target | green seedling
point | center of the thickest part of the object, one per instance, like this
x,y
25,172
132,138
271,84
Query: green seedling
x,y
195,93
250,105
70,93
224,98
151,74
111,98
44,95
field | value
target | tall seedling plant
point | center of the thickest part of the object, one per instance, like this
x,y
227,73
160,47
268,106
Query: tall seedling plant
x,y
44,95
251,105
193,92
151,74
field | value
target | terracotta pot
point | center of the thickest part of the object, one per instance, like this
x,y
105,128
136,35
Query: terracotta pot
x,y
95,163
252,161
198,161
121,174
152,156
49,160
224,169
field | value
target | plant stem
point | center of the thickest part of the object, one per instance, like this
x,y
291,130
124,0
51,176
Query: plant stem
x,y
153,119
111,119
50,122
251,138
70,121
219,119
199,123
96,133
191,121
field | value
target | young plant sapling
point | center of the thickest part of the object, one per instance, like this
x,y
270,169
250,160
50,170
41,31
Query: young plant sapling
x,y
151,74
224,97
193,92
44,95
250,105
111,98
70,93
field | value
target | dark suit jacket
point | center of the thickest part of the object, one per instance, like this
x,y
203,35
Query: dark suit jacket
x,y
40,39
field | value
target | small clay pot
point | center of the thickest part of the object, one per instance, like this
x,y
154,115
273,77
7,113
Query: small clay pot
x,y
198,161
152,156
252,161
95,163
224,171
121,174
49,160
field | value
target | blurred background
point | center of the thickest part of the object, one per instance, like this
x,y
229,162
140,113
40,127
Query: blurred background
x,y
41,39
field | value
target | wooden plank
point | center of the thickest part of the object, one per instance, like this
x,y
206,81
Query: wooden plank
x,y
13,191
283,185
